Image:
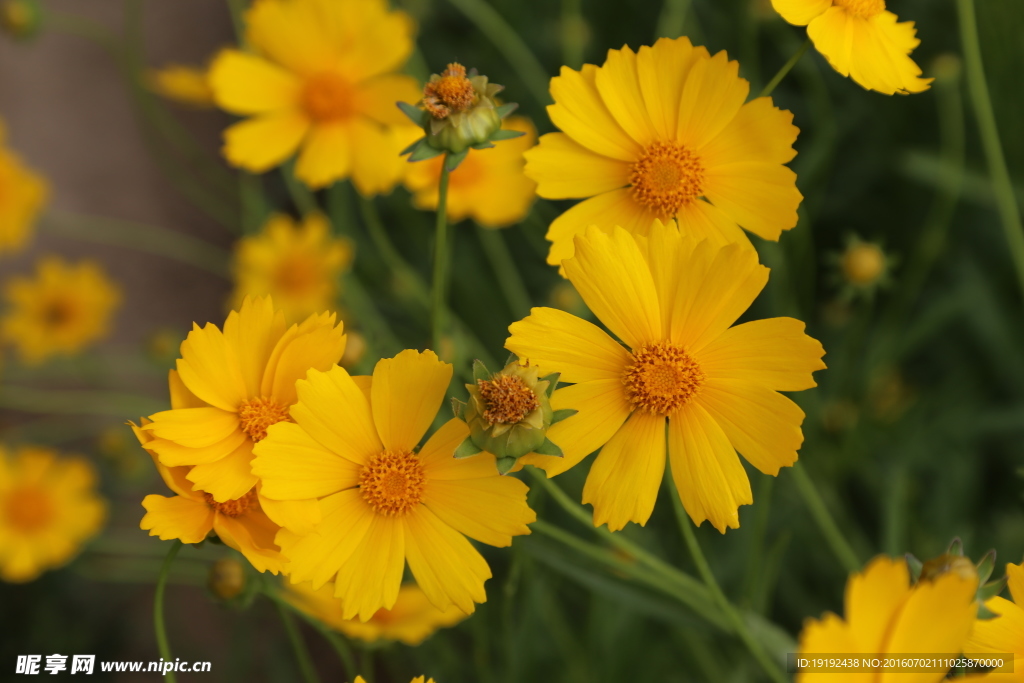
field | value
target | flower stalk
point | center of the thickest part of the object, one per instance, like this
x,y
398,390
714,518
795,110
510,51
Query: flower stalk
x,y
158,609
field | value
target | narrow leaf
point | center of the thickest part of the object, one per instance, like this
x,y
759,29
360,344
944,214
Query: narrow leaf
x,y
424,152
506,109
453,160
480,371
560,415
506,134
467,448
548,448
415,114
505,464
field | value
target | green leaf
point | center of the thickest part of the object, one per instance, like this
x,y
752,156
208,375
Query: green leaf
x,y
412,148
986,565
915,565
415,114
480,371
482,145
467,448
505,134
562,414
552,381
452,161
424,152
506,109
548,448
505,464
956,547
990,590
457,407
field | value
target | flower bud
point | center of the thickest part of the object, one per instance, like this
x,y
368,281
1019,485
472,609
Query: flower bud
x,y
20,18
227,579
863,263
953,561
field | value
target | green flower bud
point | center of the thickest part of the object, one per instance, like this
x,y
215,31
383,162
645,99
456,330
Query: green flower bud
x,y
953,561
20,18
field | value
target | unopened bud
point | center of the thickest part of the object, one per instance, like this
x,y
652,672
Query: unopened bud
x,y
227,579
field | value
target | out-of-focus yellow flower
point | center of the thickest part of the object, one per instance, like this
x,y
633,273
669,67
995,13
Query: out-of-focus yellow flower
x,y
885,614
665,133
1002,635
322,82
355,349
58,311
20,18
226,579
671,301
48,508
412,619
183,84
862,40
231,386
383,500
299,265
863,264
192,514
22,195
489,186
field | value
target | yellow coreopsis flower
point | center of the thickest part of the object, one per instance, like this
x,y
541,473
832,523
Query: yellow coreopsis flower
x,y
22,195
664,134
321,80
299,265
885,614
59,311
411,620
239,382
193,514
1005,633
48,508
862,40
383,501
184,84
489,186
671,301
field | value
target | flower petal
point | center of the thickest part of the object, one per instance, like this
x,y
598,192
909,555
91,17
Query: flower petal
x,y
446,566
619,85
406,394
315,344
251,333
873,598
244,83
229,478
615,208
490,509
580,112
376,162
773,353
711,98
292,34
937,617
370,578
318,556
252,535
760,132
662,70
800,12
326,154
763,198
565,169
377,98
708,474
1002,634
187,520
175,455
702,220
194,427
438,455
294,466
210,368
262,142
624,479
301,516
336,412
181,397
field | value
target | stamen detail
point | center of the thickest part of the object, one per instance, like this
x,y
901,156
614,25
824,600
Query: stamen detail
x,y
507,399
28,509
862,8
236,507
327,97
451,93
666,178
662,378
257,415
392,482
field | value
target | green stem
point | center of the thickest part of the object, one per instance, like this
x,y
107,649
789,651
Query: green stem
x,y
732,615
158,609
341,648
829,529
295,638
509,280
1006,201
672,20
786,68
77,402
508,42
237,10
573,33
755,562
303,199
437,308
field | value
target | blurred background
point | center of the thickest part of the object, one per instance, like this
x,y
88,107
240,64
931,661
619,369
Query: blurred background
x,y
899,266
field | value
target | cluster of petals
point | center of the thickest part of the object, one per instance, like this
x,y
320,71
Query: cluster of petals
x,y
24,194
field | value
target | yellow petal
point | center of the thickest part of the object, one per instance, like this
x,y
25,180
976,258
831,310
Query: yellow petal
x,y
252,534
229,478
773,353
711,481
800,13
326,154
712,97
1004,634
761,424
662,70
602,409
437,455
244,83
315,344
624,479
831,635
406,393
301,516
294,466
760,132
293,34
376,164
251,333
619,85
566,169
580,112
370,578
612,276
316,557
210,369
446,566
376,41
702,220
615,208
763,198
336,413
561,342
262,142
1015,580
181,397
377,98
176,455
194,427
873,599
490,509
178,517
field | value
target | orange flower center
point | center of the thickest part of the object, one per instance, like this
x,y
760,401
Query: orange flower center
x,y
296,275
257,415
236,507
507,399
862,8
450,94
392,482
58,313
28,509
662,378
328,97
666,178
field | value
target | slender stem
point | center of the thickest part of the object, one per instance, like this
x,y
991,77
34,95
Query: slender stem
x,y
833,536
574,32
732,615
1006,201
341,648
237,10
672,20
77,402
303,199
755,562
786,68
437,308
158,609
509,280
508,42
301,653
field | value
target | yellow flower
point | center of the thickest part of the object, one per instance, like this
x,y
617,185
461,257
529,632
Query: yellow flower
x,y
192,514
48,509
664,133
321,79
22,195
59,311
383,502
862,40
229,388
1005,633
885,614
671,301
489,186
412,619
183,84
299,265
